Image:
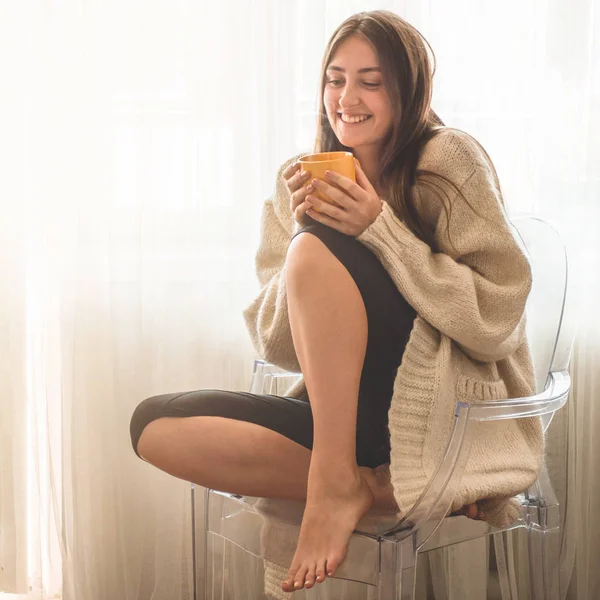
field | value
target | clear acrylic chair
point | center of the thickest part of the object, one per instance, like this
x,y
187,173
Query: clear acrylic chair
x,y
382,557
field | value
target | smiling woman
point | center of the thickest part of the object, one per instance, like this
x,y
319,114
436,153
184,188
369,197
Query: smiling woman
x,y
132,179
380,109
393,303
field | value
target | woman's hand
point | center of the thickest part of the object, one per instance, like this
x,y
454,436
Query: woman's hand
x,y
295,180
358,203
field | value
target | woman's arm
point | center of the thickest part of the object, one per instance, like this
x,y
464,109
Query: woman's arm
x,y
267,315
475,288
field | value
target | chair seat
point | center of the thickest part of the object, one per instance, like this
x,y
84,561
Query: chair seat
x,y
241,520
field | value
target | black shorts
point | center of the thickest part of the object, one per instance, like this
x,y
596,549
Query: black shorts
x,y
390,320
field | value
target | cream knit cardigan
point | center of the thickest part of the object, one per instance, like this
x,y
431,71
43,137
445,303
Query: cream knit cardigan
x,y
468,340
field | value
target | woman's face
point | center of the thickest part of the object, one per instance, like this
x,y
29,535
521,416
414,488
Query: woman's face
x,y
354,89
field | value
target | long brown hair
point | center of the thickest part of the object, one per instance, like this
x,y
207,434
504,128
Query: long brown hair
x,y
408,75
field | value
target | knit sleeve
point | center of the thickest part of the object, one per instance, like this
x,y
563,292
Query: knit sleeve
x,y
474,286
267,315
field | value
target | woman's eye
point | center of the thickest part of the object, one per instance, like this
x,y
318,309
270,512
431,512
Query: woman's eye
x,y
339,82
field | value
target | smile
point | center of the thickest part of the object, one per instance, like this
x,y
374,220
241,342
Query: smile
x,y
353,120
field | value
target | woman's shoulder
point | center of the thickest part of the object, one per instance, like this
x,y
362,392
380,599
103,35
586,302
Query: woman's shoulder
x,y
453,153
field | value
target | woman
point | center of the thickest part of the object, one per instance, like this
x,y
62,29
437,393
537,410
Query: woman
x,y
404,297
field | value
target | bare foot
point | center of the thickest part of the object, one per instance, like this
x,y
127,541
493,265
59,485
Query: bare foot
x,y
330,518
333,509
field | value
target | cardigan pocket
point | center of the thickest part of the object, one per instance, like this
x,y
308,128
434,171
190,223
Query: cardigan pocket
x,y
469,389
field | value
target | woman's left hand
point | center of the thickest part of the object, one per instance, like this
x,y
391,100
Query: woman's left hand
x,y
358,204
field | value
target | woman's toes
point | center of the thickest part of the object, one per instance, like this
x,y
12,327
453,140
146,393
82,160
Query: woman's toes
x,y
472,511
309,578
332,564
300,577
320,572
288,584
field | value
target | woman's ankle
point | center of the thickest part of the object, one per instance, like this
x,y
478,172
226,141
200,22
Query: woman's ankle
x,y
381,488
334,476
329,460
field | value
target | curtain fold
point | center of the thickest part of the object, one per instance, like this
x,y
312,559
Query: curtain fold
x,y
13,327
13,392
139,140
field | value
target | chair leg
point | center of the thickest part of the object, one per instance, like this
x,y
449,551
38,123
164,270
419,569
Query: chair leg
x,y
214,549
194,545
407,577
398,570
505,565
460,571
215,568
544,552
437,569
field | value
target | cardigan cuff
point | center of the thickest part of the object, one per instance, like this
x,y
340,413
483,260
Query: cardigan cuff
x,y
387,227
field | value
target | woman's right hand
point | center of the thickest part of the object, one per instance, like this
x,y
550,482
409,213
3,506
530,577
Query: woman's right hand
x,y
296,179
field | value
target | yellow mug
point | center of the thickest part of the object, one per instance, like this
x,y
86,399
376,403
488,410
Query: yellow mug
x,y
317,164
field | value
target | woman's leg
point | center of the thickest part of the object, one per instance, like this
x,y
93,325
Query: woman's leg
x,y
329,328
228,455
238,457
234,455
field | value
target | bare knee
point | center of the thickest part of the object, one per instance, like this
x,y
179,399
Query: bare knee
x,y
308,255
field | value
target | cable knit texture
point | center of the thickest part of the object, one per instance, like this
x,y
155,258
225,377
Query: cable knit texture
x,y
468,341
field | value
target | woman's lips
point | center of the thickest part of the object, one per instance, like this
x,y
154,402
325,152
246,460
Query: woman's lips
x,y
355,123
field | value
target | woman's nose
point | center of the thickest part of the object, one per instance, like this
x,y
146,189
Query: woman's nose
x,y
348,97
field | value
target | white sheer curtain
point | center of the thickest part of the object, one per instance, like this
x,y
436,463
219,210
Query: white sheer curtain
x,y
139,140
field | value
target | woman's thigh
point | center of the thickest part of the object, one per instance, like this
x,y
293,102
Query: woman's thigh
x,y
289,417
390,320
